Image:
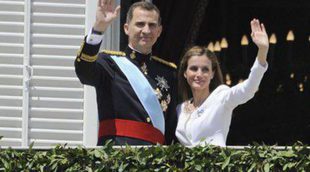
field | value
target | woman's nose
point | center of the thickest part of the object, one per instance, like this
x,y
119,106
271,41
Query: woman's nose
x,y
199,72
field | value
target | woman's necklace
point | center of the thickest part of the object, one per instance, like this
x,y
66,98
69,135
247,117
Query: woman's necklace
x,y
189,106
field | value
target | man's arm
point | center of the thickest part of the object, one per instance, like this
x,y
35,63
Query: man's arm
x,y
86,69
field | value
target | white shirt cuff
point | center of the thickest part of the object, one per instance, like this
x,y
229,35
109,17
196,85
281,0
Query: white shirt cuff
x,y
93,39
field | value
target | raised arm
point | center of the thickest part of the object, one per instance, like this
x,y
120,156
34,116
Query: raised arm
x,y
260,38
105,14
244,91
88,71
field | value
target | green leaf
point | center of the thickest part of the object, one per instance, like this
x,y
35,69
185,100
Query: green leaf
x,y
252,167
288,154
227,160
267,167
198,167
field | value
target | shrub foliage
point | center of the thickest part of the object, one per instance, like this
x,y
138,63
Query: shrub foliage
x,y
157,158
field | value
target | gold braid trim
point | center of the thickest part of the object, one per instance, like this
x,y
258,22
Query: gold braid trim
x,y
116,53
85,57
88,58
170,64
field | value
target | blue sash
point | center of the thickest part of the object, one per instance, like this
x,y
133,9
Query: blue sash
x,y
143,90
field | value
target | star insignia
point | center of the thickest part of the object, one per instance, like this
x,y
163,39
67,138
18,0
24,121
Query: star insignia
x,y
162,83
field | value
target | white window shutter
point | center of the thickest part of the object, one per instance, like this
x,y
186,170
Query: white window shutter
x,y
50,111
56,95
41,99
11,71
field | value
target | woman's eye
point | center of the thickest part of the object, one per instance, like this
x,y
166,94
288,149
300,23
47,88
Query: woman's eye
x,y
193,68
205,69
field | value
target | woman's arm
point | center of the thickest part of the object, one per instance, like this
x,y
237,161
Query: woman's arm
x,y
244,91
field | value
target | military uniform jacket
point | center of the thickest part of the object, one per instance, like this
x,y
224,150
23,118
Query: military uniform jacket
x,y
116,98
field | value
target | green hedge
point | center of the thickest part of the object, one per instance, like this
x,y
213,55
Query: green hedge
x,y
157,158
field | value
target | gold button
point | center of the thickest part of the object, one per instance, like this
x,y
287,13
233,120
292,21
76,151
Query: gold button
x,y
133,55
148,119
78,59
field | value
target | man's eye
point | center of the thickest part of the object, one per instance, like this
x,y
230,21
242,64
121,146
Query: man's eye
x,y
153,25
140,24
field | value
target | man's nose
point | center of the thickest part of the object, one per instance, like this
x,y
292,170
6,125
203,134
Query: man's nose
x,y
146,29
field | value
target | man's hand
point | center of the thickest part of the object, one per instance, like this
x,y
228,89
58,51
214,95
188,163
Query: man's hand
x,y
105,14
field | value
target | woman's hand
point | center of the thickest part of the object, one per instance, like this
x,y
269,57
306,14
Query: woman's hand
x,y
260,38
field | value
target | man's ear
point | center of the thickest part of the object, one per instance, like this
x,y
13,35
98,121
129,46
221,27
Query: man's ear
x,y
126,28
160,29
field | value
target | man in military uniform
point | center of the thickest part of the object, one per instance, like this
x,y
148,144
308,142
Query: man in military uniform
x,y
136,91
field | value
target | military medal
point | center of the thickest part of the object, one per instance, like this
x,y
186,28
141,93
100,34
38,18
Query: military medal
x,y
144,68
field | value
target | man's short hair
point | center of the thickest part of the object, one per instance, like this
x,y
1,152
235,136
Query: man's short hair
x,y
145,6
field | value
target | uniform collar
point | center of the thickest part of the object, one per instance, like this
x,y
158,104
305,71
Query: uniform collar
x,y
136,56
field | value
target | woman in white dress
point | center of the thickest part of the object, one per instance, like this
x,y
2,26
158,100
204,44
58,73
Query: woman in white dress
x,y
205,115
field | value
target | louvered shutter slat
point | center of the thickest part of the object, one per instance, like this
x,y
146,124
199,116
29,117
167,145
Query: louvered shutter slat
x,y
11,27
8,90
57,39
11,101
52,60
12,37
53,134
54,71
58,92
46,28
58,113
10,122
11,58
58,8
45,81
58,124
11,80
10,132
61,1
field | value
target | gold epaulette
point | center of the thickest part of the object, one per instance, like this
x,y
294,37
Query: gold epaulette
x,y
170,64
116,53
